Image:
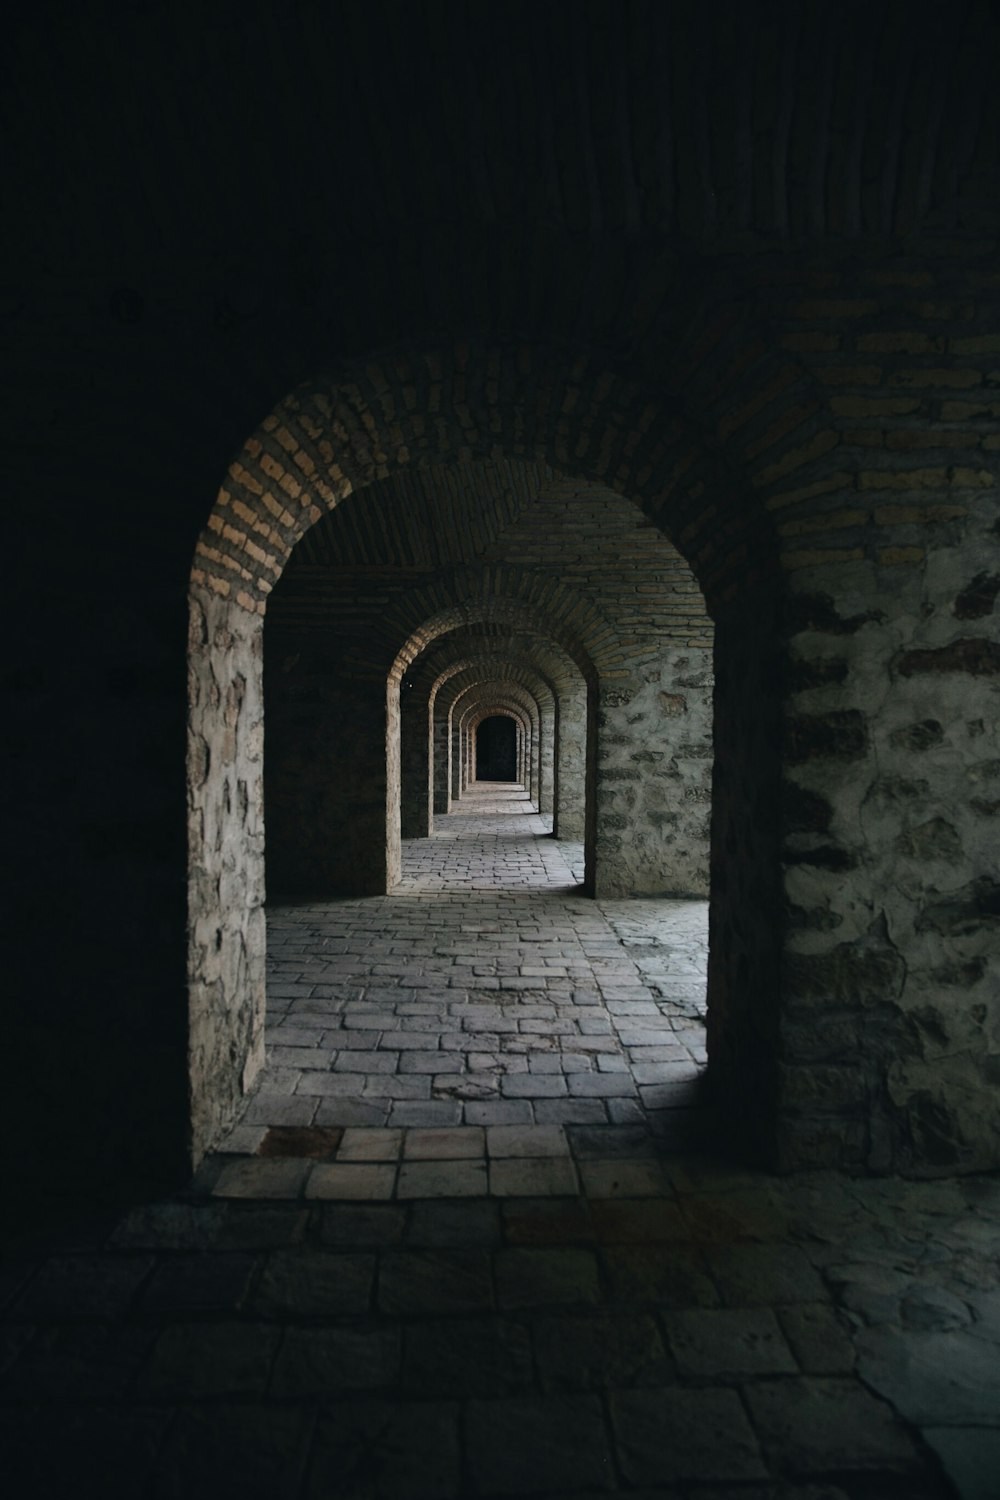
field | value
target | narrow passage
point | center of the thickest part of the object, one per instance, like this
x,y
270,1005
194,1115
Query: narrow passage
x,y
484,990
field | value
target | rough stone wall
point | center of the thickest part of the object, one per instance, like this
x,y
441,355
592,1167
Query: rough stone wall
x,y
892,968
226,936
569,819
654,769
890,1032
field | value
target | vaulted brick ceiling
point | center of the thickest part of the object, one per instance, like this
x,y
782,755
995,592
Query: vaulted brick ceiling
x,y
501,515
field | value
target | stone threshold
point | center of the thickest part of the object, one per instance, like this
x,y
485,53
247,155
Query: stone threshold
x,y
368,1164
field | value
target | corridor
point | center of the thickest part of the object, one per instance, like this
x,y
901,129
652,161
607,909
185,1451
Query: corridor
x,y
485,990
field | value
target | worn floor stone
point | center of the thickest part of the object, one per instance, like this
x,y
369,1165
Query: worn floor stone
x,y
671,1434
482,991
444,1291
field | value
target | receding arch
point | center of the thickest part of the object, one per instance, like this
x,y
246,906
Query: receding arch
x,y
484,606
425,748
500,711
501,698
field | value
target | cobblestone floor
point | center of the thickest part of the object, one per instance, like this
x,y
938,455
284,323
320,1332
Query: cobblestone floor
x,y
524,1307
485,990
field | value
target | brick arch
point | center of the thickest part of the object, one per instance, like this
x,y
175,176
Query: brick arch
x,y
509,598
509,693
459,403
425,757
551,693
426,746
504,708
542,607
526,675
328,440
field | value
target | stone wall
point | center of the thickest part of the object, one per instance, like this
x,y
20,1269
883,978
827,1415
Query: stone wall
x,y
226,936
654,770
892,969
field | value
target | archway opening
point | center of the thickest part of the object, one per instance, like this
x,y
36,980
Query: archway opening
x,y
626,689
497,749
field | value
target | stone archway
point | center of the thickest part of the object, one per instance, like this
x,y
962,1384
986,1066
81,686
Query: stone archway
x,y
775,599
313,452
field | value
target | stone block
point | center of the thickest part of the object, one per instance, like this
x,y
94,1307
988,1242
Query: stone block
x,y
190,1284
533,1086
546,1221
444,1145
531,1141
571,1111
669,1276
624,1178
728,1343
441,1179
349,1111
432,1283
315,1142
361,1144
933,1378
597,1350
280,1109
970,1456
357,1180
254,1177
467,1357
63,1360
816,1338
527,1445
499,1112
750,1275
306,1284
818,1426
350,1225
671,1434
517,1177
551,1277
320,1361
386,1451
428,1112
246,1449
210,1359
70,1287
443,1223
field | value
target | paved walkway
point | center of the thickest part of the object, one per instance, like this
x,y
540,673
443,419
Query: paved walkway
x,y
485,990
523,1307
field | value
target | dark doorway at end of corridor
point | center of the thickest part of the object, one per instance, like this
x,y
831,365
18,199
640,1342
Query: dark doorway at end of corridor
x,y
496,749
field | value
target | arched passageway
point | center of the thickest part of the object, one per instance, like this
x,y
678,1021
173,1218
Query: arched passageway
x,y
759,243
713,488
